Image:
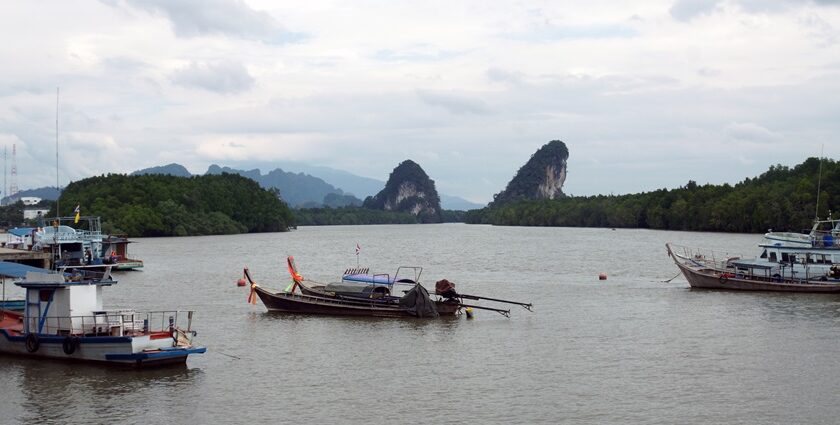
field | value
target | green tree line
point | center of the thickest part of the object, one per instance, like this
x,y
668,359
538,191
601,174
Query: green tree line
x,y
164,205
358,215
782,198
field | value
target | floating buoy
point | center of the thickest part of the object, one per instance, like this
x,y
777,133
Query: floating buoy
x,y
602,276
469,312
241,282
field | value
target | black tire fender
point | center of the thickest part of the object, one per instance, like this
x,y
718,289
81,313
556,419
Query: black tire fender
x,y
32,343
70,344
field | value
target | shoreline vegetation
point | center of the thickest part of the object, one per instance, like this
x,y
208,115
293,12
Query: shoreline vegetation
x,y
782,198
164,205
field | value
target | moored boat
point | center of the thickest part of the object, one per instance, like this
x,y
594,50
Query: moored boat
x,y
63,318
364,294
72,242
710,270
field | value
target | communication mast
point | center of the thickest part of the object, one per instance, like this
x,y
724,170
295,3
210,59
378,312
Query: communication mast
x,y
13,188
5,174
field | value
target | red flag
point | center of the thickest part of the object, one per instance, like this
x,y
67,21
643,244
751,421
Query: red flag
x,y
358,249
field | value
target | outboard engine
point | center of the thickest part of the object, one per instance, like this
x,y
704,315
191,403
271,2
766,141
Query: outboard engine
x,y
445,289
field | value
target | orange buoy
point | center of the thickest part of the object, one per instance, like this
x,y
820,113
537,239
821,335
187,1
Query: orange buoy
x,y
602,276
241,282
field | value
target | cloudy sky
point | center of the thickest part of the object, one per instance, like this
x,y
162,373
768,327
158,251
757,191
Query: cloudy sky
x,y
646,95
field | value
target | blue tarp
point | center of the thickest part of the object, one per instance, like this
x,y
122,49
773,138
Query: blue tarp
x,y
21,231
17,270
367,278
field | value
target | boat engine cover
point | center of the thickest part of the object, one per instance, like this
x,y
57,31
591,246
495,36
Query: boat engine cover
x,y
418,303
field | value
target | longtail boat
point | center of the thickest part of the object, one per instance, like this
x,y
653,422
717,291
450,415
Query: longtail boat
x,y
360,293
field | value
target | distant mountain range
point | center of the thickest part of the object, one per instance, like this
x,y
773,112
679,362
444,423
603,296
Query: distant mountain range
x,y
48,193
303,189
298,186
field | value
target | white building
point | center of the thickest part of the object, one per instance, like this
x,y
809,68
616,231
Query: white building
x,y
30,200
31,214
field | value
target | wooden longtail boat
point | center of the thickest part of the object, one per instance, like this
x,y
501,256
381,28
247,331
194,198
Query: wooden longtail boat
x,y
709,271
289,302
362,294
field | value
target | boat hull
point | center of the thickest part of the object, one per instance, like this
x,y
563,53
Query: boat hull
x,y
316,305
121,351
709,278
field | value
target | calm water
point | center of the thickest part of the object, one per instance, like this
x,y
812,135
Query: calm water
x,y
630,349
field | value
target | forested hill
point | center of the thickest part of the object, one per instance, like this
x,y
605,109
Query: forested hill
x,y
164,205
782,198
541,177
409,189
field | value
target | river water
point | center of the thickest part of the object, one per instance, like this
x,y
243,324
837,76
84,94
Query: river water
x,y
630,349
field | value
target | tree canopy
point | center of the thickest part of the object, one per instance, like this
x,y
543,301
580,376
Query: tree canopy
x,y
164,205
782,198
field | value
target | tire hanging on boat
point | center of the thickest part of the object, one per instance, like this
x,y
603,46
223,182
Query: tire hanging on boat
x,y
32,343
70,344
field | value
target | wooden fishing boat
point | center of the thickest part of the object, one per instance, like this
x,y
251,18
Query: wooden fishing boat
x,y
710,271
364,294
416,303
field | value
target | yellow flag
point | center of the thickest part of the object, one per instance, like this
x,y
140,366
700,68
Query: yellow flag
x,y
78,213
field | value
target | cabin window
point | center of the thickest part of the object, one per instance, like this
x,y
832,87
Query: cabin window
x,y
773,257
785,257
45,295
764,254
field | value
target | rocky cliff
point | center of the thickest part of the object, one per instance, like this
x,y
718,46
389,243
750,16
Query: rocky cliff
x,y
409,190
542,177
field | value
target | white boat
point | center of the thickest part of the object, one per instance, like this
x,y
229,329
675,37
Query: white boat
x,y
714,270
75,243
823,234
63,318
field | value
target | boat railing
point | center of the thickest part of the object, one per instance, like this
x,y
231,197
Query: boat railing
x,y
824,239
113,323
713,259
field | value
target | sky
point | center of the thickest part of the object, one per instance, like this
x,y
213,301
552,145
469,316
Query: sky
x,y
646,95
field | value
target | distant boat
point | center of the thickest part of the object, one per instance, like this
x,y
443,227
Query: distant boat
x,y
80,245
823,234
63,318
710,270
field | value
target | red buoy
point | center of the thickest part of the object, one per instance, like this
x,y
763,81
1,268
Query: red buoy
x,y
241,282
602,276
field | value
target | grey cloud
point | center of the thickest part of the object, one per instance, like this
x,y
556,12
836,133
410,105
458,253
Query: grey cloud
x,y
453,103
685,10
751,132
219,77
191,18
502,76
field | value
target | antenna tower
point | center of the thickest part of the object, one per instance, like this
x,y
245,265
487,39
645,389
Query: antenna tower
x,y
5,173
13,188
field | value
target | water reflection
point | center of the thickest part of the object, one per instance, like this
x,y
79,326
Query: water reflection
x,y
64,392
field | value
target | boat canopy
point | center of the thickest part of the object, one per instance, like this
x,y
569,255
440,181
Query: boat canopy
x,y
378,279
17,270
21,231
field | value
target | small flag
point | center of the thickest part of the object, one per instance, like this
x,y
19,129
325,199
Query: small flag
x,y
358,249
78,212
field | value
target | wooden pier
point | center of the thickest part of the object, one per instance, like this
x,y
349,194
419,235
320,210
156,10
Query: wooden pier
x,y
30,258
